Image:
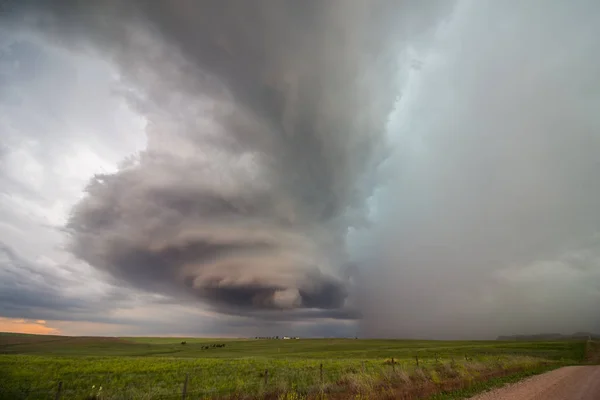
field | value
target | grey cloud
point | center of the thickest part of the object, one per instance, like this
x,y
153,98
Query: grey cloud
x,y
491,222
30,290
265,128
317,316
56,112
265,137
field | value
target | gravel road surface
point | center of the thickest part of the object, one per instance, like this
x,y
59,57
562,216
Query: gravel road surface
x,y
568,383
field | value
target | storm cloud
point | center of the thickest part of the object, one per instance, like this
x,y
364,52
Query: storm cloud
x,y
416,169
265,127
490,221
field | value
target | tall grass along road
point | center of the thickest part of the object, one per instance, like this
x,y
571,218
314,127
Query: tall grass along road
x,y
568,383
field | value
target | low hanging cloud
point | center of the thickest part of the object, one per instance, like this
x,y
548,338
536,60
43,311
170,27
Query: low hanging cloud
x,y
490,222
265,127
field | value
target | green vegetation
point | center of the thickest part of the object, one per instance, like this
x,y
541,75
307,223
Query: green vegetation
x,y
492,383
145,368
592,352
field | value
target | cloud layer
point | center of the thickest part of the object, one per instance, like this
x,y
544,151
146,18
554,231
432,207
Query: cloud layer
x,y
490,222
428,168
264,121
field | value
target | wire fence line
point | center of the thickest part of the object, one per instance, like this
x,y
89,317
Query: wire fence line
x,y
269,379
196,383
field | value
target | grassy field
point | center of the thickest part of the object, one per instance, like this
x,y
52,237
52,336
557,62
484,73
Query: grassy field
x,y
148,368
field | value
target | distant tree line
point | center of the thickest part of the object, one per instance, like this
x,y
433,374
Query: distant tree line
x,y
552,336
215,346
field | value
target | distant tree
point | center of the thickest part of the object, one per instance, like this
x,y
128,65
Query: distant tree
x,y
183,343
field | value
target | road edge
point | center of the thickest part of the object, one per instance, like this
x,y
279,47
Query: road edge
x,y
482,386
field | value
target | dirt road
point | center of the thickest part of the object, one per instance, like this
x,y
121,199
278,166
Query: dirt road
x,y
568,383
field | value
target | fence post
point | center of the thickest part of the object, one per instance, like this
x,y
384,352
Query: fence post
x,y
417,359
393,365
184,391
321,372
58,391
266,377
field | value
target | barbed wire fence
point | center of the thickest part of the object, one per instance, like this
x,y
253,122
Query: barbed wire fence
x,y
265,381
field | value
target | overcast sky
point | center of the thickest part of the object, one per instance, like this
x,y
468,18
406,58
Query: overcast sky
x,y
374,168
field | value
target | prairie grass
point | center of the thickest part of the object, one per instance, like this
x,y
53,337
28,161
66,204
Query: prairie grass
x,y
152,368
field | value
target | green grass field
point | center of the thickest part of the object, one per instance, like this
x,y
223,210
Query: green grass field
x,y
147,368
